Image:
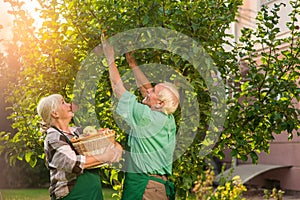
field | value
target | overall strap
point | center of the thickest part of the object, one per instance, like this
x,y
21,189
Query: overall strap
x,y
67,139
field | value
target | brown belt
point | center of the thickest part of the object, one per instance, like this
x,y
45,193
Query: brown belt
x,y
163,177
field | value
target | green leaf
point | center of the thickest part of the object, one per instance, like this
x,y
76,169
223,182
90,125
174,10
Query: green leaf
x,y
28,156
145,20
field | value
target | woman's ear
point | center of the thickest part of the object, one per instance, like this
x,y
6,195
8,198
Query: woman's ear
x,y
54,114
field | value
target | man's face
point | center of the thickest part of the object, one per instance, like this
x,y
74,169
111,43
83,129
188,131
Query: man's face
x,y
151,99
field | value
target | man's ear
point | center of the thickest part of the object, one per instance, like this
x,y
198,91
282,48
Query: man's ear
x,y
160,105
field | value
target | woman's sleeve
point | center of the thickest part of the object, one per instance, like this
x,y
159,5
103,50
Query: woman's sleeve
x,y
64,157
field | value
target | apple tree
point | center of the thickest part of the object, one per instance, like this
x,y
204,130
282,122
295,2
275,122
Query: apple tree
x,y
259,102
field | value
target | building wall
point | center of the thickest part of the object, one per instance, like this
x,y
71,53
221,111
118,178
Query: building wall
x,y
249,10
282,150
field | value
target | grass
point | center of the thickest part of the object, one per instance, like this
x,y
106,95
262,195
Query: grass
x,y
39,194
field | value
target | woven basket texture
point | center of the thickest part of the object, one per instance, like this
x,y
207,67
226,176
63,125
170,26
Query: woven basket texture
x,y
94,144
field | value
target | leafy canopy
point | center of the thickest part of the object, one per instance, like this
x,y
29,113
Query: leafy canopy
x,y
260,103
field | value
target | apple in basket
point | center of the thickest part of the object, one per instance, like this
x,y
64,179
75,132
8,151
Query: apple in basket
x,y
89,130
94,141
105,131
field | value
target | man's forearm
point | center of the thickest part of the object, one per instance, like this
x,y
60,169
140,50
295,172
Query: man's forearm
x,y
115,79
141,79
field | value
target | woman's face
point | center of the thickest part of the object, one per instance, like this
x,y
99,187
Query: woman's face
x,y
64,110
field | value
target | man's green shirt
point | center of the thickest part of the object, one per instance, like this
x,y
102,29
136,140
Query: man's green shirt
x,y
151,140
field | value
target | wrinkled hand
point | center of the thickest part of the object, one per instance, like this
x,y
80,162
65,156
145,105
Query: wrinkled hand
x,y
107,49
118,151
113,154
130,59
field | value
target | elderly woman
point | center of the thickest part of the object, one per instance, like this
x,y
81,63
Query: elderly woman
x,y
151,140
69,178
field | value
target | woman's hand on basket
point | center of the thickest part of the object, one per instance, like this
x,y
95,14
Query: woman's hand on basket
x,y
118,151
110,155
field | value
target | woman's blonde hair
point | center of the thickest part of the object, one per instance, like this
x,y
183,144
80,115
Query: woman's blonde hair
x,y
170,96
47,105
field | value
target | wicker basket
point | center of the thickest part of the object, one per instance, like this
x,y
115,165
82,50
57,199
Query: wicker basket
x,y
94,144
